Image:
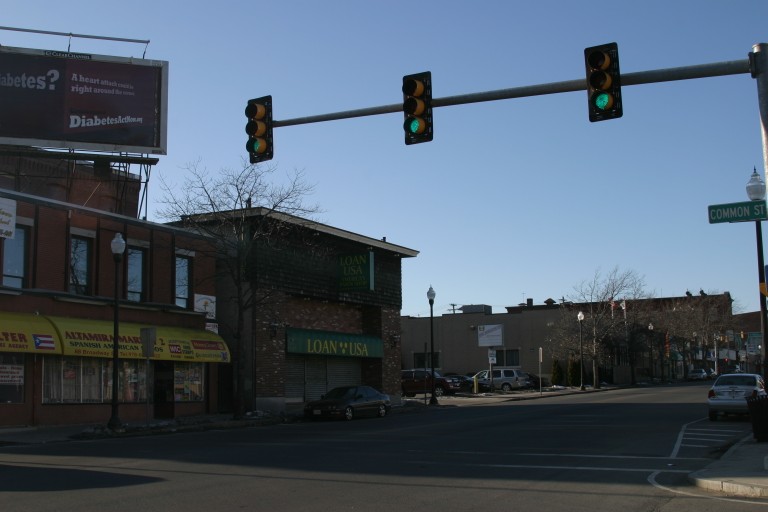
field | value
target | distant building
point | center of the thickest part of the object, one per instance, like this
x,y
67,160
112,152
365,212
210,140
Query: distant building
x,y
659,339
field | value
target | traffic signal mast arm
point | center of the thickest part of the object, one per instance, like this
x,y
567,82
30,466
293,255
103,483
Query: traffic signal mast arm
x,y
737,67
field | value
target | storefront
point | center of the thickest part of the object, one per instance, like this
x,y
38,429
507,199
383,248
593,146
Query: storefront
x,y
56,370
318,361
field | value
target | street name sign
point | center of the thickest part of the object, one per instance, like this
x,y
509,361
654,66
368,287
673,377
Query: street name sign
x,y
737,212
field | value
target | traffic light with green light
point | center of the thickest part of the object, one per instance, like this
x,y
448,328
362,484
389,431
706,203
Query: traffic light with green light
x,y
259,129
417,107
603,82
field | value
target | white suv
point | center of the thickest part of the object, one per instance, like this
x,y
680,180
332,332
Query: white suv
x,y
505,379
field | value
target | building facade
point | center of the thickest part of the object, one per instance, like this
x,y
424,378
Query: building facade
x,y
323,310
624,341
63,294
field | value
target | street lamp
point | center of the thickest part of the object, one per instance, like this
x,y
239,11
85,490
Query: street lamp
x,y
118,247
431,296
580,317
756,192
661,352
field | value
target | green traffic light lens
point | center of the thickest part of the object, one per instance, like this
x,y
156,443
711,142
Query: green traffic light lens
x,y
602,100
415,125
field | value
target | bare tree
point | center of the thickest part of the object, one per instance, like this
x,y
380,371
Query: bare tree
x,y
604,300
221,207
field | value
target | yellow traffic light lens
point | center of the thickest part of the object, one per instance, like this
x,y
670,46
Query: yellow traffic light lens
x,y
414,106
600,80
255,128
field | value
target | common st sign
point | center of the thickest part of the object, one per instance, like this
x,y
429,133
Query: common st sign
x,y
737,212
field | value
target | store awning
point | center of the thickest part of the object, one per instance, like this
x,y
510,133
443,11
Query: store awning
x,y
23,332
93,338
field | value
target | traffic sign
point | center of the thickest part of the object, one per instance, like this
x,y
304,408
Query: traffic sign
x,y
737,212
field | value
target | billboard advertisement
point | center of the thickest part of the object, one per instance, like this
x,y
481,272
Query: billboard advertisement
x,y
70,100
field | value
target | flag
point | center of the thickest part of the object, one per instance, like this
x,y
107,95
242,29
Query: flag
x,y
44,341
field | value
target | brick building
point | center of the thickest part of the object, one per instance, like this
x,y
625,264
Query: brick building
x,y
325,312
58,292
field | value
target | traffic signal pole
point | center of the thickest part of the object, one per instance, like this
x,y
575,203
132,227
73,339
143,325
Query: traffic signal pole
x,y
638,78
759,65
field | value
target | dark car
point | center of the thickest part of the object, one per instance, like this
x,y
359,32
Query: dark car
x,y
419,381
348,402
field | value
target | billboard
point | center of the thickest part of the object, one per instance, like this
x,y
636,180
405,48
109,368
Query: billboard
x,y
70,100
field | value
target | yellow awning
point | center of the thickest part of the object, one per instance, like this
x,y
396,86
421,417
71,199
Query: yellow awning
x,y
23,332
93,338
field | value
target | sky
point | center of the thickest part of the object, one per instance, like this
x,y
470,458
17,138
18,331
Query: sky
x,y
513,199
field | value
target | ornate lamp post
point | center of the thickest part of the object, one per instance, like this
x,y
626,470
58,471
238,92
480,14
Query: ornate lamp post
x,y
118,247
756,192
580,318
431,296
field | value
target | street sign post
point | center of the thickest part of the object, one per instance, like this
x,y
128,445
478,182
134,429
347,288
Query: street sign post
x,y
737,212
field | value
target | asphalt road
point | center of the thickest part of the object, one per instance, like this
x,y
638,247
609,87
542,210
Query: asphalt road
x,y
625,450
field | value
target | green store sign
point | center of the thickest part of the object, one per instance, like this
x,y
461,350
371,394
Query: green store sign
x,y
325,343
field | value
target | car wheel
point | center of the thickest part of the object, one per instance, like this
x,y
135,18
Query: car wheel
x,y
506,387
439,391
349,413
382,410
712,415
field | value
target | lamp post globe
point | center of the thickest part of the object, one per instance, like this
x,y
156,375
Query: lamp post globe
x,y
431,297
580,318
118,247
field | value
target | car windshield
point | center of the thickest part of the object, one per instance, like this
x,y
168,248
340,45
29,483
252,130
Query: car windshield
x,y
735,380
339,393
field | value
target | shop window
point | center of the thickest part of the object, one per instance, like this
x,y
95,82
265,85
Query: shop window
x,y
188,382
135,284
80,256
15,259
183,273
89,380
11,379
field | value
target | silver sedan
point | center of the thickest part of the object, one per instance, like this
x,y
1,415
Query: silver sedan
x,y
729,393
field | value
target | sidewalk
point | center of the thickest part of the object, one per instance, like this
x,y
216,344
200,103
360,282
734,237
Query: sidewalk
x,y
742,471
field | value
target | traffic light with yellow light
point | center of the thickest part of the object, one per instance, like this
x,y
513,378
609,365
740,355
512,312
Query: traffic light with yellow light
x,y
603,82
259,129
417,107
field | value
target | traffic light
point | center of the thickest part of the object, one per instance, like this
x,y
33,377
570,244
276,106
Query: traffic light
x,y
417,107
603,82
259,129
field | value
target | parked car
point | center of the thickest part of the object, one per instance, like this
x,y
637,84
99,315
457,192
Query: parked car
x,y
505,379
414,382
729,393
348,402
698,374
535,382
465,382
712,373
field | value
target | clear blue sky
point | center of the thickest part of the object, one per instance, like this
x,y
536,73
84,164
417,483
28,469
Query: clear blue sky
x,y
513,199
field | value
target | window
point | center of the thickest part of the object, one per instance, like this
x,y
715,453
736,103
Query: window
x,y
15,259
134,287
79,380
11,378
188,382
183,272
80,265
508,357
